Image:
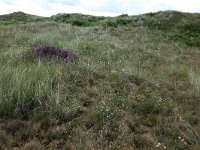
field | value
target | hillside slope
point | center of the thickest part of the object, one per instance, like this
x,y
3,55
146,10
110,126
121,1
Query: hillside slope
x,y
19,18
136,84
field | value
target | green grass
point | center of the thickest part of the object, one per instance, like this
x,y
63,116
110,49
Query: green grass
x,y
132,88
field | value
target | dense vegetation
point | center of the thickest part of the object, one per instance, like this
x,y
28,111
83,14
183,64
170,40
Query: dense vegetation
x,y
19,18
136,84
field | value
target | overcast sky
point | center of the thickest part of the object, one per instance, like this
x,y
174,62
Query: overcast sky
x,y
96,7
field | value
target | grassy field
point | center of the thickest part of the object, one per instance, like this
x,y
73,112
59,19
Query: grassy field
x,y
136,85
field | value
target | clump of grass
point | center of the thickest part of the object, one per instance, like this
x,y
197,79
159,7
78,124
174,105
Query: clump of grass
x,y
3,140
23,134
29,88
139,141
105,114
32,145
149,106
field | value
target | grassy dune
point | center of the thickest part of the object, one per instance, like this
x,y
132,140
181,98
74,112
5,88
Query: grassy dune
x,y
135,86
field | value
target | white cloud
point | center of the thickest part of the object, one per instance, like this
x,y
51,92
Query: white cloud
x,y
88,4
98,7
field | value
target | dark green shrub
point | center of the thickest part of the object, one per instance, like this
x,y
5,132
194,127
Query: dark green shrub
x,y
123,15
111,23
80,23
77,19
92,19
151,14
123,21
188,34
191,34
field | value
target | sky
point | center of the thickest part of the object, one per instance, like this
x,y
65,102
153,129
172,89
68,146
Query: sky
x,y
97,7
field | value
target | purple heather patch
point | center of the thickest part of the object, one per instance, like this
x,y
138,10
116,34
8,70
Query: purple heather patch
x,y
46,51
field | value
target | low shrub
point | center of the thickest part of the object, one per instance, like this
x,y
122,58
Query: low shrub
x,y
46,51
